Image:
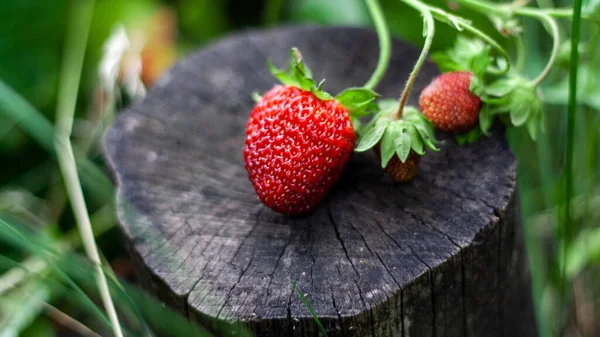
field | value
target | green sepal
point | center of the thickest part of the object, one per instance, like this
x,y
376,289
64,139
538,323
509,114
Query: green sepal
x,y
469,137
402,143
298,75
256,97
501,87
359,101
286,78
373,133
424,127
485,119
471,55
417,142
387,149
296,60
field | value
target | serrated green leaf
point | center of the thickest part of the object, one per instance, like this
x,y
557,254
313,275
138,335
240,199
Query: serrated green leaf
x,y
501,87
402,143
416,142
373,133
387,146
282,76
485,119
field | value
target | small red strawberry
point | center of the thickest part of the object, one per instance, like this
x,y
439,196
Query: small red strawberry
x,y
299,139
449,103
297,146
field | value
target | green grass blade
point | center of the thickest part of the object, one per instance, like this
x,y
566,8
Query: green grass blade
x,y
567,223
21,306
312,312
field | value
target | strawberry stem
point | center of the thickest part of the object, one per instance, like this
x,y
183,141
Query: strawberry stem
x,y
383,36
430,26
542,15
553,29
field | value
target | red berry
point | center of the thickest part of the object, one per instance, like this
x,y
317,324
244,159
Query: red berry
x,y
296,148
449,103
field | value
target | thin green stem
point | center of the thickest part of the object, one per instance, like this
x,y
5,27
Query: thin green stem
x,y
554,32
543,15
520,53
383,35
430,25
462,24
567,225
72,65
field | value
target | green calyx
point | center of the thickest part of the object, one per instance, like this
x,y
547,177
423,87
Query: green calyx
x,y
358,101
471,55
299,75
412,131
516,96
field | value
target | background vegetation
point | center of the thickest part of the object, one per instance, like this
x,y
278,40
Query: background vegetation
x,y
47,287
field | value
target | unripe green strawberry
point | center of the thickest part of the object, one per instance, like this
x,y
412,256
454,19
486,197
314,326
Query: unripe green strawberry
x,y
449,103
297,146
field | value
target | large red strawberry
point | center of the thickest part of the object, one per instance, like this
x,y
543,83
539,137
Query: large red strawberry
x,y
299,139
449,103
296,148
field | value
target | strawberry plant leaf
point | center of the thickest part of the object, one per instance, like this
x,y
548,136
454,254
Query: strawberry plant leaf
x,y
387,146
359,101
485,119
373,133
402,144
355,96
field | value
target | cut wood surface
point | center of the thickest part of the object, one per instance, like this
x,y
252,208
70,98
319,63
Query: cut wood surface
x,y
442,255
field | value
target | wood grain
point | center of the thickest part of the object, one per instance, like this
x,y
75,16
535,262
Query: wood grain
x,y
439,256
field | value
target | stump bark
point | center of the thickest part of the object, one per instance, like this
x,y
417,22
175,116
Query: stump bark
x,y
442,255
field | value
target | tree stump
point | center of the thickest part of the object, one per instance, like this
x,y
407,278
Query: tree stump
x,y
442,255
